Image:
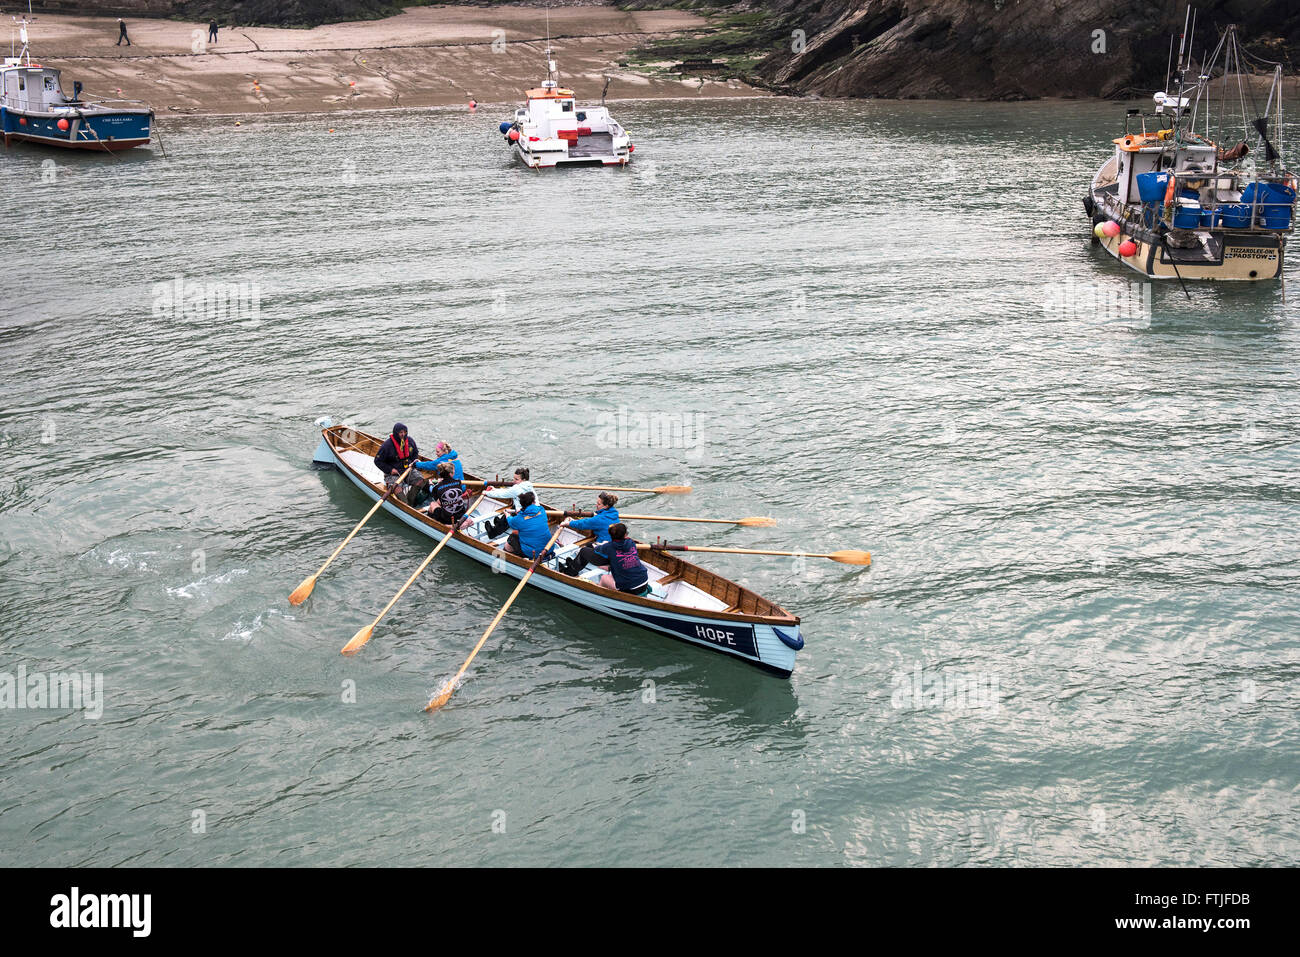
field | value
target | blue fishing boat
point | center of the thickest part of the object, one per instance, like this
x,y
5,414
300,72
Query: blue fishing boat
x,y
35,108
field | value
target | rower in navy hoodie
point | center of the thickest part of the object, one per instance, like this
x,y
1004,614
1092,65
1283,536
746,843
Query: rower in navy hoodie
x,y
531,529
626,573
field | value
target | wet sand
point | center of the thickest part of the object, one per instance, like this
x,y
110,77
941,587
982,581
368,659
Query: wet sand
x,y
424,57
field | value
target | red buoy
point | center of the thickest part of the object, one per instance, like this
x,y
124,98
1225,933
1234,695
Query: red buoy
x,y
1128,248
22,121
513,136
63,125
631,148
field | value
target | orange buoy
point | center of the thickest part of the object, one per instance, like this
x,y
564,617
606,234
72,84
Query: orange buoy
x,y
63,125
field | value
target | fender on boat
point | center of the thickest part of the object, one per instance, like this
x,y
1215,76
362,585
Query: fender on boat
x,y
794,642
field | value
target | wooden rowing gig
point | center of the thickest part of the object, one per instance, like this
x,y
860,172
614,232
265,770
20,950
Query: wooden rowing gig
x,y
687,602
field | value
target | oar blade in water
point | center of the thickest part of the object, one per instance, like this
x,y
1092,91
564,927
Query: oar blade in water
x,y
359,639
851,556
300,594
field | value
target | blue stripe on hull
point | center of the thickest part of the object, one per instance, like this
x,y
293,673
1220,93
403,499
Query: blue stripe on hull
x,y
756,644
94,131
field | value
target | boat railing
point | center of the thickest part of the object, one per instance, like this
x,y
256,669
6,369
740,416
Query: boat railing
x,y
1264,212
92,100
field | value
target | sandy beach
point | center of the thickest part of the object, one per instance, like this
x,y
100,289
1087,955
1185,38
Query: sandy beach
x,y
424,57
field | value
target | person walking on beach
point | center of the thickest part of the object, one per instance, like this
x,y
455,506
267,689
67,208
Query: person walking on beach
x,y
121,34
212,32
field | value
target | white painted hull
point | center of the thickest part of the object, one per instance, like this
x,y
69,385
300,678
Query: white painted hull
x,y
551,159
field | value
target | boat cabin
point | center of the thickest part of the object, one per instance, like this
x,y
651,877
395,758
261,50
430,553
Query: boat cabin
x,y
31,88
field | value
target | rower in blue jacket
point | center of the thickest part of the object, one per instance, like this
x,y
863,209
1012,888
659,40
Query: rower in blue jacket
x,y
606,515
445,454
531,528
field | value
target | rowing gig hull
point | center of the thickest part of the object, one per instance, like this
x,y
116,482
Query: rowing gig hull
x,y
768,640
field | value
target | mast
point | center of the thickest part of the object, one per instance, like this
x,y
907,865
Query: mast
x,y
1182,71
552,73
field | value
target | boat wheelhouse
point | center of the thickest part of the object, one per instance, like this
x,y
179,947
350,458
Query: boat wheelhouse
x,y
35,108
1174,202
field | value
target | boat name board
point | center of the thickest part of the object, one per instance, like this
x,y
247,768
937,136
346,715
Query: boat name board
x,y
1251,252
739,639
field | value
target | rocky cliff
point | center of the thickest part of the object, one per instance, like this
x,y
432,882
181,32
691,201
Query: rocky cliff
x,y
1004,49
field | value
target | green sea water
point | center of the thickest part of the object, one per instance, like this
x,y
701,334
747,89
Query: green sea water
x,y
881,323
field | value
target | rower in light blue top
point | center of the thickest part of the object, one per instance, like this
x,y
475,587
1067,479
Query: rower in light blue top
x,y
606,515
445,454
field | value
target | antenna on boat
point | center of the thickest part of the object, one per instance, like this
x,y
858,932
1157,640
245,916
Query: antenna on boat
x,y
22,36
1169,63
552,74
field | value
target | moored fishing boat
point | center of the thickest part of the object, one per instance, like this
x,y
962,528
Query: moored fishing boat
x,y
34,108
1175,202
550,129
686,602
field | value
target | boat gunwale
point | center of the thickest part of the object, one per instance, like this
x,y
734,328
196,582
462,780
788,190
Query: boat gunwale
x,y
333,434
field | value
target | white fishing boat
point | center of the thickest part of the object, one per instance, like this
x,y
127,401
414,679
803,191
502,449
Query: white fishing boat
x,y
551,129
1175,201
686,602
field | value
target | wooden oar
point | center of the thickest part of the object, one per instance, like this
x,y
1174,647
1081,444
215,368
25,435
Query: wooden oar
x,y
301,593
754,521
362,636
658,490
848,556
443,696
